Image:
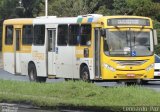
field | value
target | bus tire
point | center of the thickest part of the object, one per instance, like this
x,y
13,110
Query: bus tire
x,y
84,74
41,79
131,83
32,73
144,82
67,79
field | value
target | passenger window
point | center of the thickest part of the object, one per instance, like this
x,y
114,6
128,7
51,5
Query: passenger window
x,y
51,39
74,34
62,35
27,35
39,34
157,59
9,35
85,34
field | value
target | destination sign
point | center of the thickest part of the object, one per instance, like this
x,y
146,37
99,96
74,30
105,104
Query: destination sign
x,y
127,22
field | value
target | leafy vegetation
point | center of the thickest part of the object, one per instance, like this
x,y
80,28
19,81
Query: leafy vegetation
x,y
76,94
33,8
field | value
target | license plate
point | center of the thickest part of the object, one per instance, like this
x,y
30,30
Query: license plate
x,y
130,75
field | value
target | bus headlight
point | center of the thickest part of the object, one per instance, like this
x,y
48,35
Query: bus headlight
x,y
150,67
109,67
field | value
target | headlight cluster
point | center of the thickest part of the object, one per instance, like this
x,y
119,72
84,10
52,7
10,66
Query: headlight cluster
x,y
150,67
109,67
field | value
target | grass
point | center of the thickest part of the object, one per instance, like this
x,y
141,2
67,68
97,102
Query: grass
x,y
76,94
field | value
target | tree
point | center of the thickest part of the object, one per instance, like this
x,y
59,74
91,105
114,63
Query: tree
x,y
32,8
72,7
137,7
156,1
121,7
7,9
144,8
12,8
104,10
105,7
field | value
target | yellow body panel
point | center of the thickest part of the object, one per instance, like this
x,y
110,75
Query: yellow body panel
x,y
105,18
122,72
18,21
17,24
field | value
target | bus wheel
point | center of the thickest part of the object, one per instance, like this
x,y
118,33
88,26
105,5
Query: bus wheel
x,y
84,74
144,82
41,79
32,73
67,79
130,83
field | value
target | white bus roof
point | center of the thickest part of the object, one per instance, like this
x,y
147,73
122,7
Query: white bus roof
x,y
89,18
54,19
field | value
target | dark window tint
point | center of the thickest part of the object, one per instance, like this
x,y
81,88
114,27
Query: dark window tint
x,y
9,35
27,35
18,36
157,59
39,34
85,34
62,35
51,40
73,34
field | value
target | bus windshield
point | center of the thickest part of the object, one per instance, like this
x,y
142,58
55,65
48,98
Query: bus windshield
x,y
128,43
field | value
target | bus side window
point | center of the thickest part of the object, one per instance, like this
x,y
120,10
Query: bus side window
x,y
74,34
39,34
27,35
62,35
85,34
9,35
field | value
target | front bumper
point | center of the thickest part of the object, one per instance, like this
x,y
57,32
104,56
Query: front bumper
x,y
140,74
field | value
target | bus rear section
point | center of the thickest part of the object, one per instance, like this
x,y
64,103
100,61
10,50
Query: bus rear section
x,y
17,41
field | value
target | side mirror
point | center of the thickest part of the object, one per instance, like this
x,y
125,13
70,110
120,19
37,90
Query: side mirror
x,y
103,32
88,43
155,37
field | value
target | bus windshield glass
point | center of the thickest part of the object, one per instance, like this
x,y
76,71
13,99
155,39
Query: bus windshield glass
x,y
128,43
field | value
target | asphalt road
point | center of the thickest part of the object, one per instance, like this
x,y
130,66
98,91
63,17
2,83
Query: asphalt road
x,y
7,76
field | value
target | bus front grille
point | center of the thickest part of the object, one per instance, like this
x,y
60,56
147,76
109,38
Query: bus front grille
x,y
130,62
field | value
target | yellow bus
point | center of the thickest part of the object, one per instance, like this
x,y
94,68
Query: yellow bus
x,y
88,47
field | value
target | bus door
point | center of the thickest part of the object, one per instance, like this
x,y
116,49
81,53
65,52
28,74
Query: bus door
x,y
17,50
51,51
97,60
64,53
64,61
